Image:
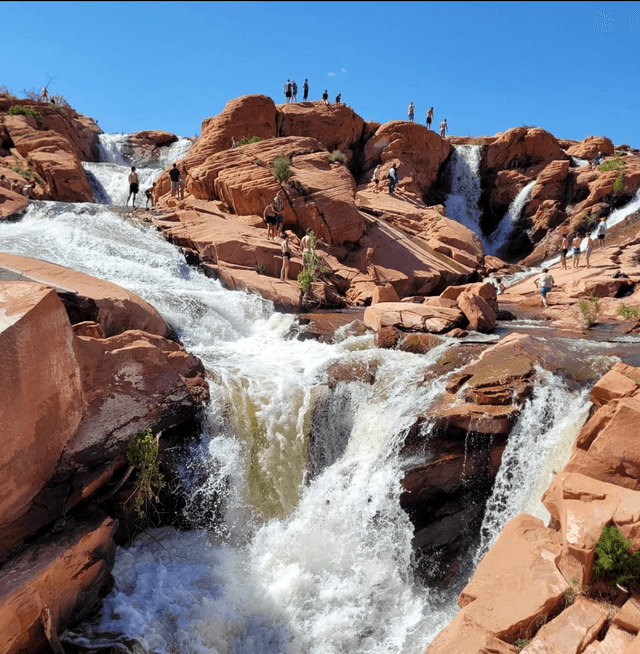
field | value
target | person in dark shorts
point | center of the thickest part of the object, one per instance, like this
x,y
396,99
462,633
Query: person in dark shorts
x,y
149,195
338,98
288,90
601,232
286,257
564,248
305,88
174,174
429,118
270,219
325,97
134,186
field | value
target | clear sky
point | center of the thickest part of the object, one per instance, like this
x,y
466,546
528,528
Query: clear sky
x,y
569,67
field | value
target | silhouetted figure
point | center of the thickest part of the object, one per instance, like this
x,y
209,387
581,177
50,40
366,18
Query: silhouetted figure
x,y
174,174
294,91
305,88
325,97
338,98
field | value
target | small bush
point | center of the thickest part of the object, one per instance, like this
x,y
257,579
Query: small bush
x,y
618,185
521,643
615,563
627,312
32,94
281,170
337,157
589,308
18,110
612,164
142,454
245,141
305,280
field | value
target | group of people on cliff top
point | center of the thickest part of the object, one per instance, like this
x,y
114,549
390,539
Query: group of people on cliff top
x,y
443,125
291,93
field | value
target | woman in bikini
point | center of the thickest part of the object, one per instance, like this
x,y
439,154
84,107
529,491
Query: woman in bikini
x,y
563,256
286,257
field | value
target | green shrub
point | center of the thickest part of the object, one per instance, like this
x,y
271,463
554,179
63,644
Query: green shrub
x,y
281,170
337,157
142,454
589,308
612,164
305,280
588,221
627,312
615,563
618,185
18,110
521,643
245,141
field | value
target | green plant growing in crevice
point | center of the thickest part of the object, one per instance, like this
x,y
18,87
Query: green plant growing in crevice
x,y
627,312
313,267
337,157
260,268
281,168
247,141
142,454
615,562
520,644
18,110
589,308
612,164
574,591
618,185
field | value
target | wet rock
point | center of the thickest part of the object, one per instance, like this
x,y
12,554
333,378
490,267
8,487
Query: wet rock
x,y
412,317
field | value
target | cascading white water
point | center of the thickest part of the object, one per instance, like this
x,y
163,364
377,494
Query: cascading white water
x,y
498,239
293,565
462,202
576,162
109,178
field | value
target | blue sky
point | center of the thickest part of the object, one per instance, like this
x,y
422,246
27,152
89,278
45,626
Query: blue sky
x,y
569,67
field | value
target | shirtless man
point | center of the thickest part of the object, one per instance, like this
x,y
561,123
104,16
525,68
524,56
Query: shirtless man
x,y
134,186
149,195
575,244
410,112
544,283
429,117
174,174
269,217
305,246
443,128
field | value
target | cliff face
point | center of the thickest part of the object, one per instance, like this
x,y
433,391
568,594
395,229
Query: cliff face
x,y
41,146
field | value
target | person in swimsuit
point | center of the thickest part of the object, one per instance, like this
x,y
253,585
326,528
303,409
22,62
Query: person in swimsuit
x,y
149,195
443,128
588,250
286,257
429,118
575,244
134,186
376,179
601,232
564,248
279,206
544,283
410,112
270,219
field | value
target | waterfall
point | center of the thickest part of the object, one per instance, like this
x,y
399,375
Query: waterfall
x,y
109,178
462,202
499,238
576,162
295,565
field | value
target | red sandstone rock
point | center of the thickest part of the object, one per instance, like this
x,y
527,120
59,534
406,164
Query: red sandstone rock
x,y
481,317
531,145
67,573
145,146
41,403
117,309
411,317
621,381
616,640
589,147
11,204
384,293
628,617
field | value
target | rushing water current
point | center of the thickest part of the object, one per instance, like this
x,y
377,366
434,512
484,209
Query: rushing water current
x,y
299,562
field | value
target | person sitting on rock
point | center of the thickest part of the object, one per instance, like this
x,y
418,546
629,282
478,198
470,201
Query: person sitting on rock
x,y
598,160
286,257
410,112
174,174
233,143
134,186
325,97
16,186
544,283
269,217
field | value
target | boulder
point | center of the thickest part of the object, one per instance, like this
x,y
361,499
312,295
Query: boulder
x,y
621,381
41,404
589,147
412,317
146,146
384,293
11,204
531,146
464,636
64,574
419,151
481,317
616,640
336,126
86,297
550,185
628,617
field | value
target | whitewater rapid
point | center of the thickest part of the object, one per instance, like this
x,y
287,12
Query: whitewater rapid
x,y
297,562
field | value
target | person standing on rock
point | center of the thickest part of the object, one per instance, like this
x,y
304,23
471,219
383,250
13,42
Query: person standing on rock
x,y
588,251
269,217
286,257
287,91
134,186
183,182
410,112
278,203
429,117
305,88
443,128
338,100
544,283
294,91
564,248
325,97
575,244
393,178
601,232
305,246
174,174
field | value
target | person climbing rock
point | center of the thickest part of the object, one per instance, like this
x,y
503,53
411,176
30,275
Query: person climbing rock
x,y
429,117
305,88
544,283
134,186
174,174
410,111
4,183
